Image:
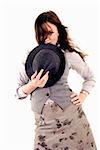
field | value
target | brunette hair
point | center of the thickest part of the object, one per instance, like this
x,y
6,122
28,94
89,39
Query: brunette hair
x,y
41,32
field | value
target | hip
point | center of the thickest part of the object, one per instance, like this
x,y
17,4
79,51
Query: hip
x,y
52,110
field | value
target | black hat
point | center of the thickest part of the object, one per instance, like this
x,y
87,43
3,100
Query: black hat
x,y
48,57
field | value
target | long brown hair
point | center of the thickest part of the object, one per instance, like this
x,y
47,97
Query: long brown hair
x,y
64,40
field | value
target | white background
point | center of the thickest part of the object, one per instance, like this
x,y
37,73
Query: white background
x,y
17,36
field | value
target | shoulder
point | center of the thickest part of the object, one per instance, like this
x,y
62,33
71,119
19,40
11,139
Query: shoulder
x,y
25,55
73,56
21,62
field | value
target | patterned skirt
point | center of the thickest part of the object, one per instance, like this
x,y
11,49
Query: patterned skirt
x,y
58,129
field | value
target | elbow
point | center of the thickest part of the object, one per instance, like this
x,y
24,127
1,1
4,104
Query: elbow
x,y
89,84
17,96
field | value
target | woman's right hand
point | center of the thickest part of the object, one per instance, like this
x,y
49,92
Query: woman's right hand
x,y
36,81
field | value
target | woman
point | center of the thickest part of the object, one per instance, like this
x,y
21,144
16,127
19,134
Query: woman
x,y
58,128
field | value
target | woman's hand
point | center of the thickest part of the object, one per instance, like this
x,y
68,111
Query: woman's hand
x,y
78,99
36,81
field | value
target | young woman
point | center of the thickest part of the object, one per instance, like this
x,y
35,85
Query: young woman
x,y
60,127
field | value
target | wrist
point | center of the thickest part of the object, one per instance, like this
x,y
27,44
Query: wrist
x,y
84,92
28,88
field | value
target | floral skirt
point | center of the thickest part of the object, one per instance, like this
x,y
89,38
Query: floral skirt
x,y
58,129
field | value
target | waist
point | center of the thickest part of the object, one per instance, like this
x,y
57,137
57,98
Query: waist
x,y
49,101
59,96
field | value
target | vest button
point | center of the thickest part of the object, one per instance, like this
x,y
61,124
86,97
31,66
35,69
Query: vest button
x,y
70,89
47,94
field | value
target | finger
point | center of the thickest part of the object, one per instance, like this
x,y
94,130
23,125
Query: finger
x,y
73,95
45,76
34,75
43,80
76,102
75,98
39,74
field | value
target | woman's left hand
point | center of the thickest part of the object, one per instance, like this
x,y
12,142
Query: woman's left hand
x,y
78,99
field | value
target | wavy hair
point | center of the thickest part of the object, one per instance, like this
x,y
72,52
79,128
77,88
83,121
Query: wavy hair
x,y
41,32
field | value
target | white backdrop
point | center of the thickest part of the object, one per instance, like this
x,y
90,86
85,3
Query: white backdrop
x,y
82,19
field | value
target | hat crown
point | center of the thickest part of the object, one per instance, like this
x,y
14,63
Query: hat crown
x,y
47,60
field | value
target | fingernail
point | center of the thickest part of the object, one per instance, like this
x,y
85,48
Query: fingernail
x,y
35,72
